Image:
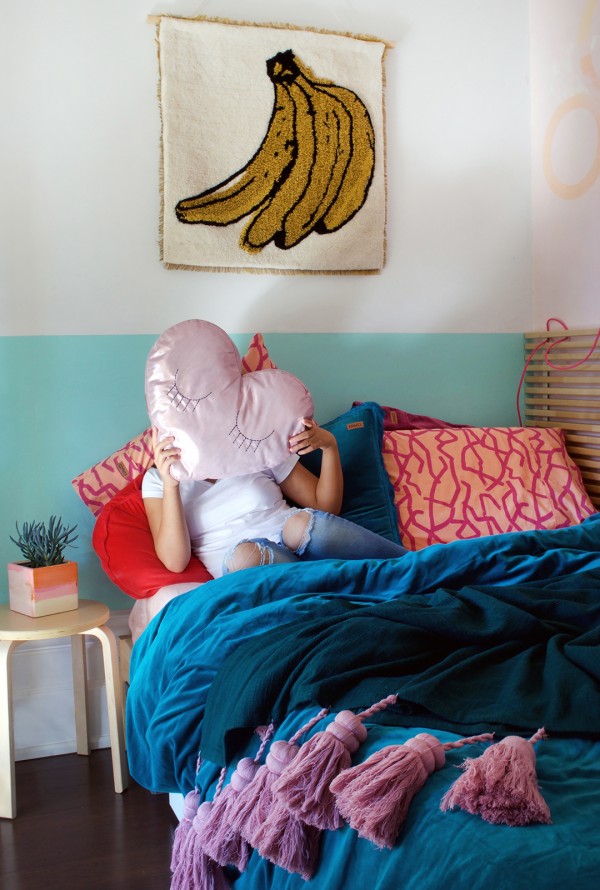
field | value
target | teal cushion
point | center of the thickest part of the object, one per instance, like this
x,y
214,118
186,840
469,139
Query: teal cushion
x,y
368,494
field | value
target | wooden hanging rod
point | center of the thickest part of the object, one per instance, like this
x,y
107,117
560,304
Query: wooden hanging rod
x,y
559,332
155,19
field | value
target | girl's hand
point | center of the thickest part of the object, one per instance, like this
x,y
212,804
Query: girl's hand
x,y
312,438
165,453
323,492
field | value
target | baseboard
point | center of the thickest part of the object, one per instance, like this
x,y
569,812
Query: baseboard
x,y
42,687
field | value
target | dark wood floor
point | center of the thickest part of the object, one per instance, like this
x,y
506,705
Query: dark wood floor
x,y
74,833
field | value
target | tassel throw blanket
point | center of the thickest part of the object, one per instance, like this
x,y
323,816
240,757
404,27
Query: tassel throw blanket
x,y
501,632
272,147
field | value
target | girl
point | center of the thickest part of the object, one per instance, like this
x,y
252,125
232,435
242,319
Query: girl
x,y
242,521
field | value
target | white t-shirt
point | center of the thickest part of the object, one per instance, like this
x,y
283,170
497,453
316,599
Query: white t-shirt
x,y
220,514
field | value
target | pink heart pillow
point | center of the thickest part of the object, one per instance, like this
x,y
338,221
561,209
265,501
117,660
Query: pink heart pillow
x,y
225,422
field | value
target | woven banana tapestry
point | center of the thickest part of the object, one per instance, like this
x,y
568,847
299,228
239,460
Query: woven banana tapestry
x,y
272,148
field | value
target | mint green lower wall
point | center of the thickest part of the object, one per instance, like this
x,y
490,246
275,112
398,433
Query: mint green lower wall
x,y
69,401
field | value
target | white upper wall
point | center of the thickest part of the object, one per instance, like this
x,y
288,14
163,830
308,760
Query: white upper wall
x,y
80,202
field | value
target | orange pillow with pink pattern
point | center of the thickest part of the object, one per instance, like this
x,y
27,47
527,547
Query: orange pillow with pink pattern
x,y
455,484
99,483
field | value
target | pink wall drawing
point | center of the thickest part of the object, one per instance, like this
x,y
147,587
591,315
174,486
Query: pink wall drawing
x,y
565,90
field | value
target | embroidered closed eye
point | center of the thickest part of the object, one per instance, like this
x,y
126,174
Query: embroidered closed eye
x,y
242,441
181,401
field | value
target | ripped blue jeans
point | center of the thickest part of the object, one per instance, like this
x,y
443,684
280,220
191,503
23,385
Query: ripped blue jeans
x,y
309,534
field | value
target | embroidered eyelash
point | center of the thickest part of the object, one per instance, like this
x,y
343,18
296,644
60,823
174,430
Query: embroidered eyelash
x,y
180,401
240,439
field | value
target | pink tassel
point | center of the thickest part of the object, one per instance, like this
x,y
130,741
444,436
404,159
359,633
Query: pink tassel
x,y
196,870
190,807
221,841
374,796
254,802
276,833
303,787
501,786
281,837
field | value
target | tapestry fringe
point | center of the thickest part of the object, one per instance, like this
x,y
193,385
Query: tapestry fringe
x,y
271,271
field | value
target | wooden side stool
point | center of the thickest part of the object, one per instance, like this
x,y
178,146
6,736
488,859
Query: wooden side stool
x,y
125,647
89,618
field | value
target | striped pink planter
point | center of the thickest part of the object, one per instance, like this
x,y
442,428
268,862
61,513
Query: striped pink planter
x,y
42,591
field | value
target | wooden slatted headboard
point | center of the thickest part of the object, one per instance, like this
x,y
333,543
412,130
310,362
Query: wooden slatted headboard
x,y
567,398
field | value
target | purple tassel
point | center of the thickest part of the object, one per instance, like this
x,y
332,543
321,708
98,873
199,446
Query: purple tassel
x,y
289,843
281,837
254,802
190,808
264,824
221,841
501,786
374,796
196,870
304,786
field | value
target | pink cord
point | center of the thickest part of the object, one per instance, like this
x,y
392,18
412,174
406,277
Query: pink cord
x,y
488,737
263,745
538,736
265,742
380,706
220,783
307,726
552,344
460,743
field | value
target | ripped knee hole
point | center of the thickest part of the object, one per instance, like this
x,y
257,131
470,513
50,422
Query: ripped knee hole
x,y
245,556
295,529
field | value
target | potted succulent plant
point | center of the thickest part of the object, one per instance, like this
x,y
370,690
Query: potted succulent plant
x,y
45,582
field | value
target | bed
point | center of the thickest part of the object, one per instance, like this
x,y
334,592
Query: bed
x,y
203,638
487,629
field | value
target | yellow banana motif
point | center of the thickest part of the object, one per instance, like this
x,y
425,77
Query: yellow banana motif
x,y
359,172
312,172
333,127
268,222
246,190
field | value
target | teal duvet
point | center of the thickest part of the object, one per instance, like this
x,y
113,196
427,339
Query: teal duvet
x,y
498,634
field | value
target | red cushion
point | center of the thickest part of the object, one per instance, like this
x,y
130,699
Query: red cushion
x,y
123,541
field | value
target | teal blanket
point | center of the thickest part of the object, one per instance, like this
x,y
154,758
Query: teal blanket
x,y
509,659
497,633
178,657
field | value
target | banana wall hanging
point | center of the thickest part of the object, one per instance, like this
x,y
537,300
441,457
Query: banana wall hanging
x,y
311,196
311,173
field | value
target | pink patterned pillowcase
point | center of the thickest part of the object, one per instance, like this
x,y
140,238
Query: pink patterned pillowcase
x,y
101,482
454,484
257,357
97,485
